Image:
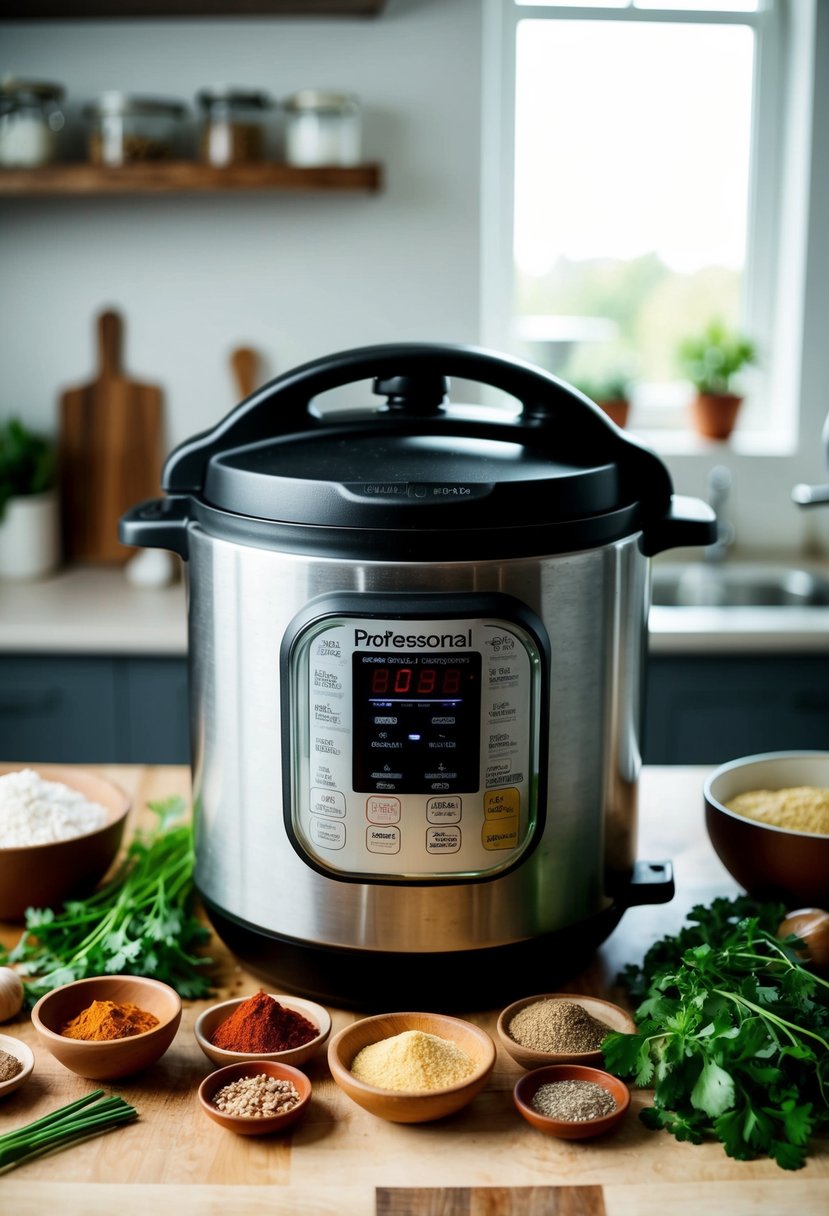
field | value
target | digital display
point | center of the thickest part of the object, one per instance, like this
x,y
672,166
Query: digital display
x,y
416,722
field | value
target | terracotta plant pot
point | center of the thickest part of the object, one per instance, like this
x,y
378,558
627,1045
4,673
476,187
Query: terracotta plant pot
x,y
714,414
616,410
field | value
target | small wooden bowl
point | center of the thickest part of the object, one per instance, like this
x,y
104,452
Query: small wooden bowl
x,y
210,1019
251,1125
403,1106
24,1053
567,1129
44,875
111,1058
615,1017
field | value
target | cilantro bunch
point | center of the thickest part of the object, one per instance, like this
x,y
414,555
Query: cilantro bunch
x,y
733,1035
141,922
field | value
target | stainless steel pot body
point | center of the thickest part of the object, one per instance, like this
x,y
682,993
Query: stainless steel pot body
x,y
242,599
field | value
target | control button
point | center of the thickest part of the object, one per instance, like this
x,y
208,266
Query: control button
x,y
501,804
443,810
327,834
502,834
443,840
383,810
328,802
383,840
326,746
323,679
326,714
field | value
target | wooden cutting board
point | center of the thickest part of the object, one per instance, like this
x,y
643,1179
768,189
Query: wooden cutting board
x,y
244,362
111,451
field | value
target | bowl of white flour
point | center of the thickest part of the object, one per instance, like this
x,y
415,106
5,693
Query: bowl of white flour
x,y
60,830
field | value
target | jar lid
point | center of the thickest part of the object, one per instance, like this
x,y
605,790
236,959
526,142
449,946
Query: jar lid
x,y
230,95
43,90
110,105
321,102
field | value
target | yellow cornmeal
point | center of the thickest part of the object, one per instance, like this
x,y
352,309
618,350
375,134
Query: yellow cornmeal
x,y
412,1061
802,808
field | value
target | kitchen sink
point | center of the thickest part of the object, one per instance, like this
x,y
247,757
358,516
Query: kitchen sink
x,y
737,585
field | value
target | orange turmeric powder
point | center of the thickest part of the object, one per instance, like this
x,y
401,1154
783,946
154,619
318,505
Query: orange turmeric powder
x,y
109,1020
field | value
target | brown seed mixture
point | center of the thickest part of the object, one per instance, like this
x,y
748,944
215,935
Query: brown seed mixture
x,y
10,1066
575,1101
801,808
557,1026
257,1096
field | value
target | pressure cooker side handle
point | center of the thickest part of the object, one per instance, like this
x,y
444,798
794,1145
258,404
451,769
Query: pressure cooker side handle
x,y
158,523
281,407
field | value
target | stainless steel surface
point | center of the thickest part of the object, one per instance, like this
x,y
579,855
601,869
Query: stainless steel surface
x,y
737,585
593,605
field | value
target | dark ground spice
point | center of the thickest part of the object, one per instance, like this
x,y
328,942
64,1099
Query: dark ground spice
x,y
261,1024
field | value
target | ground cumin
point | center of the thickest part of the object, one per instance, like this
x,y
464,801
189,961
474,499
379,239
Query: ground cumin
x,y
557,1026
108,1020
261,1024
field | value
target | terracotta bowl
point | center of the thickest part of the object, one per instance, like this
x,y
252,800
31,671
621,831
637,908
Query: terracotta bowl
x,y
769,862
615,1017
44,875
208,1021
252,1125
113,1058
403,1106
15,1047
566,1129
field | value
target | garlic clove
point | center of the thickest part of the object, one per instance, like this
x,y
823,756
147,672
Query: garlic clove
x,y
11,994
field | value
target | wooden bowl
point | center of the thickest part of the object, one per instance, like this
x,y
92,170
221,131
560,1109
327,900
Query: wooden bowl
x,y
209,1020
112,1058
253,1125
24,1053
615,1017
566,1129
400,1106
767,861
44,875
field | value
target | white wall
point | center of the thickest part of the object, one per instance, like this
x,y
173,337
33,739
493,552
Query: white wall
x,y
293,276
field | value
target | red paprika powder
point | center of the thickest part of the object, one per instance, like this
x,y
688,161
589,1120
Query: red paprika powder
x,y
261,1024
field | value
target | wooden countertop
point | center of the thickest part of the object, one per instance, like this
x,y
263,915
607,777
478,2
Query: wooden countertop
x,y
340,1160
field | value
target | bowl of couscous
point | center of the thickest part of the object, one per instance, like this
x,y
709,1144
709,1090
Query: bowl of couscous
x,y
768,819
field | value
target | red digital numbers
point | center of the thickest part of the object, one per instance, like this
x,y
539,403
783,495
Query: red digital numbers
x,y
420,681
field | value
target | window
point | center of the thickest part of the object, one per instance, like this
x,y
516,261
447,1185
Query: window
x,y
641,166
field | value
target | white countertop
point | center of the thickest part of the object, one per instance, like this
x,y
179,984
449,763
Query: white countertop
x,y
96,610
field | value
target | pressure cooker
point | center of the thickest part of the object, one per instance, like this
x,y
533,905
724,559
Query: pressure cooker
x,y
417,635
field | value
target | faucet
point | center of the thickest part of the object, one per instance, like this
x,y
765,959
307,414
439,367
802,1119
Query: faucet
x,y
814,496
719,488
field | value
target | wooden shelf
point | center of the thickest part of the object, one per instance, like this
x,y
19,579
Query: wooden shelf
x,y
68,10
184,177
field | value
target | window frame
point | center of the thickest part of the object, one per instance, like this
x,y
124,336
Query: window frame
x,y
774,277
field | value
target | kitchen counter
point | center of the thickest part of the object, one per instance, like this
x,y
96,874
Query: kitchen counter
x,y
96,611
341,1160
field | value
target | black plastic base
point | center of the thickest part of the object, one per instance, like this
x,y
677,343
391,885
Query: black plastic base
x,y
369,980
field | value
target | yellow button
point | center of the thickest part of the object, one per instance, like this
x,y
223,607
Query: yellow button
x,y
500,835
498,803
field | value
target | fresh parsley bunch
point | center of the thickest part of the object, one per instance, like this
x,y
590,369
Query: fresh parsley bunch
x,y
141,922
733,1035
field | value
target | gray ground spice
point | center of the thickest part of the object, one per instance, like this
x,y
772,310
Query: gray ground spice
x,y
557,1026
10,1066
574,1101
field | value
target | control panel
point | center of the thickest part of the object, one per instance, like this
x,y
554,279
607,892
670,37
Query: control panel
x,y
415,744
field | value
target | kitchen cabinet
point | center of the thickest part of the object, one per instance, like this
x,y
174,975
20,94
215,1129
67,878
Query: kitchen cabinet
x,y
90,709
706,709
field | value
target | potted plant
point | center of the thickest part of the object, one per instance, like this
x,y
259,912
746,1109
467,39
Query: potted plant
x,y
28,502
611,393
711,360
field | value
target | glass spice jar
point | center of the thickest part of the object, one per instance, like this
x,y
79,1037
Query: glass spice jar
x,y
124,129
30,119
233,125
322,128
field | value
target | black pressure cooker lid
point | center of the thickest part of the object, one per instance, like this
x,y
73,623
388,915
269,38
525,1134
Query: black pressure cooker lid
x,y
553,473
